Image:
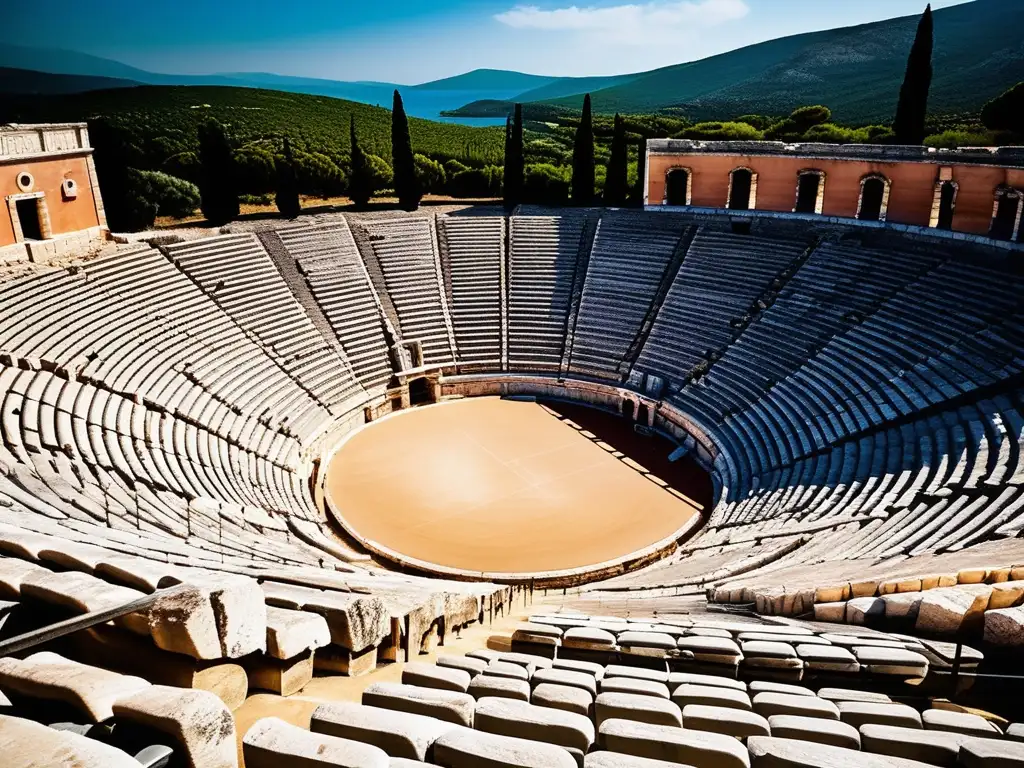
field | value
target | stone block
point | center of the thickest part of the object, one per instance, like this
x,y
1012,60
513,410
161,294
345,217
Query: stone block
x,y
1005,626
519,719
947,611
816,730
858,713
562,697
399,734
699,749
449,706
642,709
272,743
501,687
725,720
473,749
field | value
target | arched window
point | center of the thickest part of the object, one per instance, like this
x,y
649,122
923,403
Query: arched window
x,y
1006,214
810,191
944,205
678,186
742,190
874,198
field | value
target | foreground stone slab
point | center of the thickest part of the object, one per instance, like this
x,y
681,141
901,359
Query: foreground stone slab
x,y
632,685
197,720
290,633
501,687
959,722
272,743
568,677
949,610
711,696
892,661
47,676
932,747
597,670
816,730
467,664
992,753
433,676
474,749
1015,732
675,679
399,734
357,622
768,704
588,639
508,669
642,709
27,744
828,658
449,706
211,620
724,720
506,717
767,686
616,760
773,752
848,694
677,745
566,698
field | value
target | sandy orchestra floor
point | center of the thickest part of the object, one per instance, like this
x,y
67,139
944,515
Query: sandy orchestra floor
x,y
496,485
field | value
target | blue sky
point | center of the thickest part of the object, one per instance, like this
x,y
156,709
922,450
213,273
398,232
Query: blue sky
x,y
412,41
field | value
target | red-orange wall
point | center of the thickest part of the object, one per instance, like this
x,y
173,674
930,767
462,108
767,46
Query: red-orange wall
x,y
65,215
910,198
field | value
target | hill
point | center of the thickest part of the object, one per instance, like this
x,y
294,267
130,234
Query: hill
x,y
856,71
162,121
500,80
574,86
25,81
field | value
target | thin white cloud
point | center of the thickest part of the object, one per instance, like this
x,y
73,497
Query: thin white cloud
x,y
638,23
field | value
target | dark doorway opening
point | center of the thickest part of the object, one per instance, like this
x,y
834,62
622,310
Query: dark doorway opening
x,y
871,198
28,215
947,196
677,187
739,197
420,392
1006,217
642,414
807,193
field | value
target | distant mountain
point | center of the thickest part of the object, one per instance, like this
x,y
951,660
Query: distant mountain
x,y
855,71
574,86
23,81
498,80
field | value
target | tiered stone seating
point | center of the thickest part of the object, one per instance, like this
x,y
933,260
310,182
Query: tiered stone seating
x,y
628,261
240,277
474,251
406,251
543,254
336,275
721,278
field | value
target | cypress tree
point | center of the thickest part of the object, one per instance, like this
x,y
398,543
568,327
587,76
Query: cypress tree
x,y
636,196
583,158
218,186
287,186
360,182
407,186
908,126
515,161
616,185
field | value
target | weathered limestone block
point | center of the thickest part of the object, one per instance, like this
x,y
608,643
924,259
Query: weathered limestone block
x,y
631,685
992,753
588,638
568,677
290,633
892,661
467,664
506,669
399,734
773,752
616,760
1006,595
47,676
197,720
27,744
902,606
837,593
501,687
432,676
814,729
357,621
506,717
642,709
272,743
711,650
678,745
675,679
284,677
637,673
1015,732
724,720
959,722
566,698
712,696
537,634
767,686
831,612
595,670
858,713
335,660
450,706
952,609
81,593
864,610
768,704
473,749
1005,626
848,694
13,572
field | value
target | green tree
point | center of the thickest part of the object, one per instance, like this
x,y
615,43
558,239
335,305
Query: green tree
x,y
1005,112
430,174
545,184
908,126
169,195
616,185
287,196
515,161
126,212
217,174
407,187
583,158
360,185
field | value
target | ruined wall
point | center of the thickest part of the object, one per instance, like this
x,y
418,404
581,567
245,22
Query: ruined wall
x,y
911,194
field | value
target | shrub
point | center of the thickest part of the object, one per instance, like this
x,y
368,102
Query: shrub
x,y
476,182
256,170
318,175
184,165
430,174
761,122
170,196
380,172
451,167
546,185
1005,112
954,139
723,132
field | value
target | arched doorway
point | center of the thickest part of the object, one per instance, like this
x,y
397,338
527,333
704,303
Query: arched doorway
x,y
1006,218
420,391
947,201
810,192
874,198
741,188
677,187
